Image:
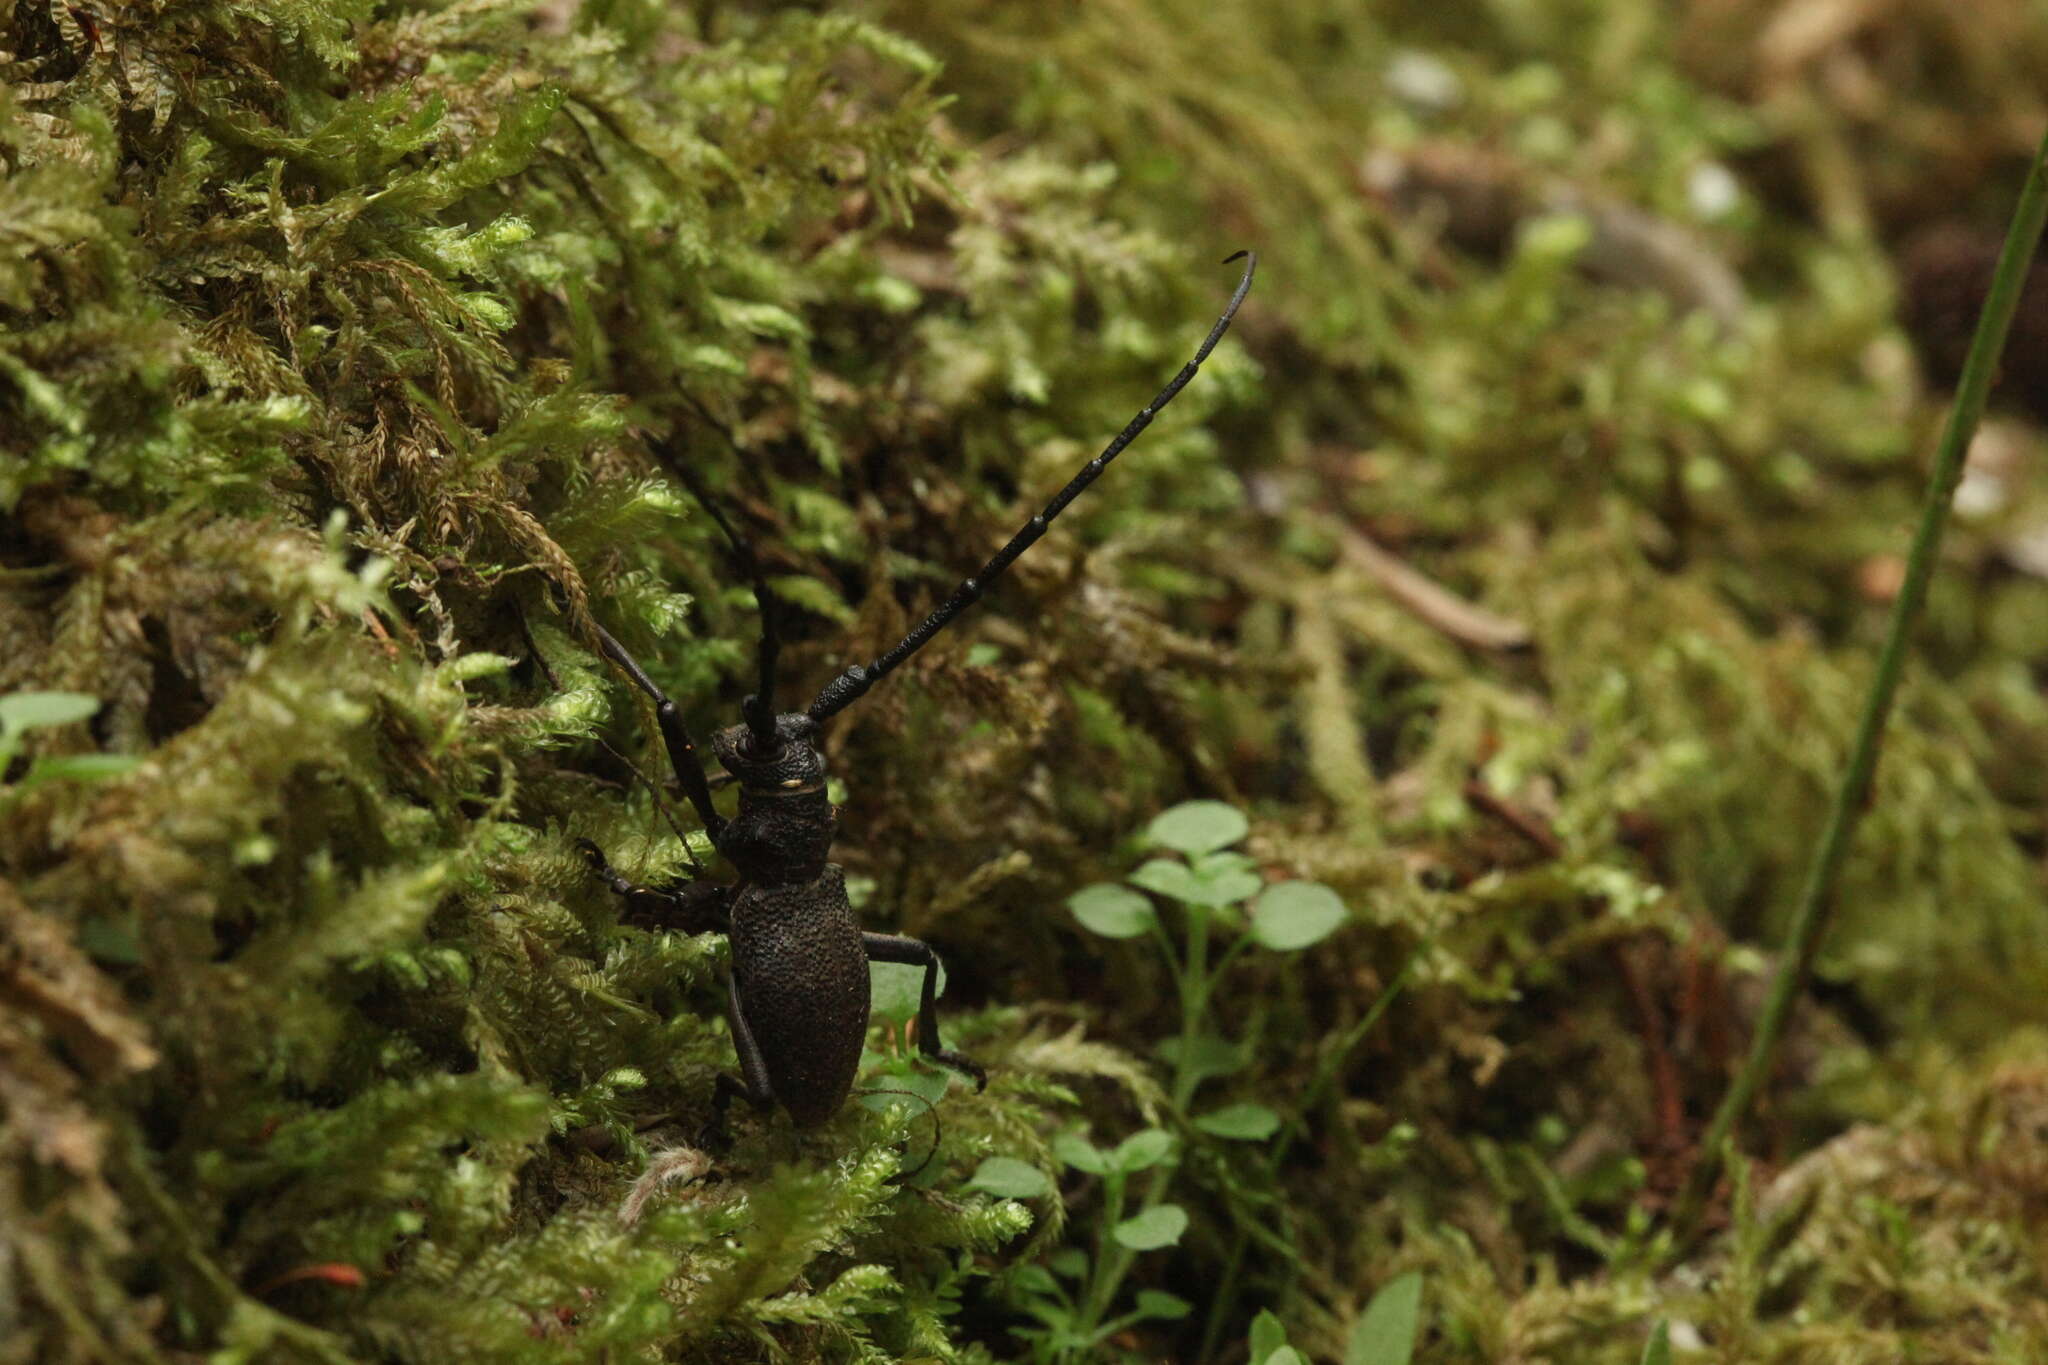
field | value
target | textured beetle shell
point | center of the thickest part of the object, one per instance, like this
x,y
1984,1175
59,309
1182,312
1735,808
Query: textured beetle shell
x,y
796,759
803,987
783,830
780,838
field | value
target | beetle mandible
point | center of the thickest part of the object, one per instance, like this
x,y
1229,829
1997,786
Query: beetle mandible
x,y
798,984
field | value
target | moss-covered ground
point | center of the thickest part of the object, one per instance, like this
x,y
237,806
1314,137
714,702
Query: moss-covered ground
x,y
1503,593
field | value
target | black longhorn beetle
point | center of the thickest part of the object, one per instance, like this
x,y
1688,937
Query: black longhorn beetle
x,y
799,977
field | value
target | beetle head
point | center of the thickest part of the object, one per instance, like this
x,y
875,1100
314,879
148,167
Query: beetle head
x,y
795,761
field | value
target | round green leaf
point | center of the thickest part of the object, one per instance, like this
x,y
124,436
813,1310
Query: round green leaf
x,y
1240,1123
1211,881
1155,1303
1225,887
1008,1178
1267,1336
1385,1333
1141,1151
34,710
1081,1154
1034,1279
1204,1056
1154,1228
1292,915
1197,827
1175,881
896,988
1111,911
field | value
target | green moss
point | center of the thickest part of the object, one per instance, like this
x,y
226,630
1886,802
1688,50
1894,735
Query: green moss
x,y
327,334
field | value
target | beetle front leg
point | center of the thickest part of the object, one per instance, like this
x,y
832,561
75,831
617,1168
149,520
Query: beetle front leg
x,y
917,953
689,906
675,736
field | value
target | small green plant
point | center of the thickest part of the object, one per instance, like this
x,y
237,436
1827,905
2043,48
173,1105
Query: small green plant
x,y
1269,1342
21,712
1221,907
1067,1295
1384,1334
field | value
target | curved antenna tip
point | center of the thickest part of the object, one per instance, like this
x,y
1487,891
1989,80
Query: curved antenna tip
x,y
851,685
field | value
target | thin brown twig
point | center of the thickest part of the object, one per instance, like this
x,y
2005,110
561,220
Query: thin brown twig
x,y
1431,601
1528,824
1665,1086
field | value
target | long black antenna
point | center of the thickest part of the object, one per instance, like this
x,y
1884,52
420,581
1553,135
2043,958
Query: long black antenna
x,y
759,707
853,684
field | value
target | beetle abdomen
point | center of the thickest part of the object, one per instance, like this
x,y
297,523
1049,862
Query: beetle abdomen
x,y
803,986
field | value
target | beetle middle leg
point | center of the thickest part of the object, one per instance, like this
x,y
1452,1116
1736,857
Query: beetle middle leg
x,y
756,1089
917,953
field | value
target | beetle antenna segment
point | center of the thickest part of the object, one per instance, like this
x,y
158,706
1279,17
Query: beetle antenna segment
x,y
853,684
759,707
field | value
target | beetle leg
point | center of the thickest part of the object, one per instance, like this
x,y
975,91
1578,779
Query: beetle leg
x,y
688,906
756,1089
917,953
682,750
